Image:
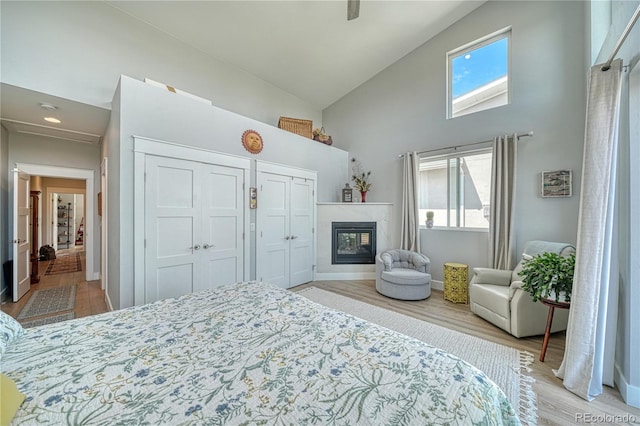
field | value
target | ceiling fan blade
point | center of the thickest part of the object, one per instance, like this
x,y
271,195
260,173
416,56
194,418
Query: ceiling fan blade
x,y
353,9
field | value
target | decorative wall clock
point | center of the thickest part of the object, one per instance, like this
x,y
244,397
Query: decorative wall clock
x,y
252,141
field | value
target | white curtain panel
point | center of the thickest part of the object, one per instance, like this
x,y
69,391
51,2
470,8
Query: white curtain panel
x,y
503,195
585,364
410,237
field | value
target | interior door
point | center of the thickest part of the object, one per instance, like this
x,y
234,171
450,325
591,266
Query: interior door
x,y
272,254
302,228
21,243
222,235
172,212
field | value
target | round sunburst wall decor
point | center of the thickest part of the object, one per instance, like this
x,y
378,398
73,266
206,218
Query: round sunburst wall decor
x,y
252,141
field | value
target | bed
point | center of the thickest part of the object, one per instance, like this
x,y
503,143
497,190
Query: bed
x,y
248,353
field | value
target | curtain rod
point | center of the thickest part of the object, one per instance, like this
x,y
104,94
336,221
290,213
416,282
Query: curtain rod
x,y
623,36
529,133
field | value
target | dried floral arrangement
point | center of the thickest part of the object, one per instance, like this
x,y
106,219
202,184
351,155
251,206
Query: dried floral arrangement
x,y
359,177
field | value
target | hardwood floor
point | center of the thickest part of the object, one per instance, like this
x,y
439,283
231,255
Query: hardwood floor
x,y
89,296
556,406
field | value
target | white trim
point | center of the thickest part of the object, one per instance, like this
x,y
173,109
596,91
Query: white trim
x,y
630,393
142,147
108,300
104,254
437,285
185,152
283,169
83,174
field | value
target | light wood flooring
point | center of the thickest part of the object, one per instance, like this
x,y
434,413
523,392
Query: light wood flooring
x,y
556,406
89,296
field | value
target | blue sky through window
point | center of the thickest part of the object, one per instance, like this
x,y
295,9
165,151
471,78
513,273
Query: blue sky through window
x,y
479,67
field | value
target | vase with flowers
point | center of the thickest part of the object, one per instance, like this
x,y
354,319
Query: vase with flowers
x,y
360,179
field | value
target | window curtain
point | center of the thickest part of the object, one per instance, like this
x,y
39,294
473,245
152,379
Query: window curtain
x,y
410,236
503,193
587,363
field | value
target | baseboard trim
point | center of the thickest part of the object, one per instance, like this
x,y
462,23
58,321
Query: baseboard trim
x,y
630,393
109,305
340,276
437,285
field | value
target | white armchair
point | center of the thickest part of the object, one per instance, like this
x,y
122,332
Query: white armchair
x,y
497,296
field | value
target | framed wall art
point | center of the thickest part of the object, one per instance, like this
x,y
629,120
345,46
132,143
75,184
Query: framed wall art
x,y
557,183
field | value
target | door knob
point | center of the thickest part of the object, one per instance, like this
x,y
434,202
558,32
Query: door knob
x,y
287,237
293,237
196,247
206,246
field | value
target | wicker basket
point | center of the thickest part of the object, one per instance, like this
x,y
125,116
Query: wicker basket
x,y
296,125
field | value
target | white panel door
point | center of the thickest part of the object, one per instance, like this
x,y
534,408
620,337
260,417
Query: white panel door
x,y
222,235
172,215
272,253
21,242
302,228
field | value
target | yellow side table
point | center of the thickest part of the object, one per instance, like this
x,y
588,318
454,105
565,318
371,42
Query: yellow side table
x,y
456,284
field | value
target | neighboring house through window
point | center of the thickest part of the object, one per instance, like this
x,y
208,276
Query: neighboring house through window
x,y
456,188
478,75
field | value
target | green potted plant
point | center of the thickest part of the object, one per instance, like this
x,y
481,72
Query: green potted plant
x,y
549,276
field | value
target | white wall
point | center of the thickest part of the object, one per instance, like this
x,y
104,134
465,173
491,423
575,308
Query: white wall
x,y
151,112
403,108
78,50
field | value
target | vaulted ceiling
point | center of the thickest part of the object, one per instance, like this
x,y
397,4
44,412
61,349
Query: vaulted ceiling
x,y
304,47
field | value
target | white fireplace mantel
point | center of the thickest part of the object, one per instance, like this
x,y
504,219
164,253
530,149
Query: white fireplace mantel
x,y
350,212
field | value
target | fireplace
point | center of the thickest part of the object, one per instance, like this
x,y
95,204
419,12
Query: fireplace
x,y
353,243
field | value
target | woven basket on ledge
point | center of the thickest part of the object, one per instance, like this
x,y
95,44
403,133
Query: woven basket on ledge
x,y
296,125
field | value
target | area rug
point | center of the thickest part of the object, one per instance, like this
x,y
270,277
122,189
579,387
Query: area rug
x,y
48,320
51,300
505,366
65,265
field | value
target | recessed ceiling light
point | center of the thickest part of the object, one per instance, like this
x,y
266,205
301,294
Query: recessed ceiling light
x,y
48,107
52,120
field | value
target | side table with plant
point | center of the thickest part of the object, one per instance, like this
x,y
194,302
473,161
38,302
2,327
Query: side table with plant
x,y
549,276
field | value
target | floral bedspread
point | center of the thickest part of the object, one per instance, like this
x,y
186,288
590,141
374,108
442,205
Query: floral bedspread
x,y
248,353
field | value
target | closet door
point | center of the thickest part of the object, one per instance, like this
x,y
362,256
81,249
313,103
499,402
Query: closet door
x,y
222,236
272,254
172,215
301,235
285,253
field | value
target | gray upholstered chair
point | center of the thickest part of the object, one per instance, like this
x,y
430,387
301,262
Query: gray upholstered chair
x,y
403,274
497,296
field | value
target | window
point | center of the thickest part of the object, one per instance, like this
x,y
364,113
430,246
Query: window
x,y
457,189
478,75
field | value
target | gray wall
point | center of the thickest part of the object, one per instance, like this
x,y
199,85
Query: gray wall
x,y
5,247
95,43
403,108
627,373
155,113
